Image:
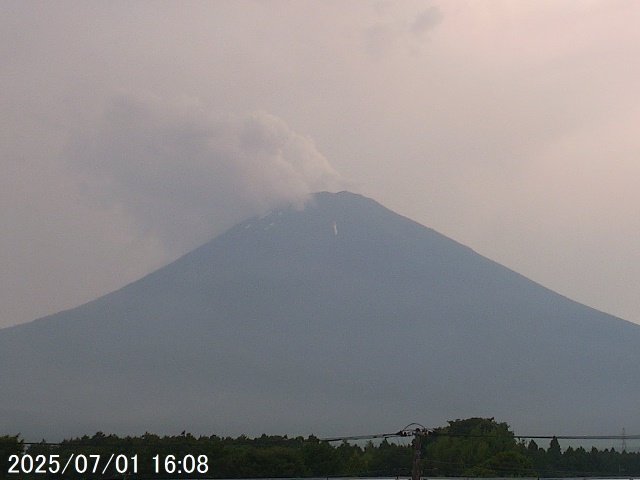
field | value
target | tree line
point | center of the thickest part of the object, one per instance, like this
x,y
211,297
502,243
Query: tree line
x,y
474,447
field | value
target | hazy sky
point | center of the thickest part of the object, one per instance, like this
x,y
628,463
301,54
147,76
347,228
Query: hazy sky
x,y
132,132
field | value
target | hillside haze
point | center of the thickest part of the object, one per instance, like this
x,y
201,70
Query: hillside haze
x,y
342,318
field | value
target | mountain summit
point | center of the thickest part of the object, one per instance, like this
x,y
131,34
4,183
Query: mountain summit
x,y
342,318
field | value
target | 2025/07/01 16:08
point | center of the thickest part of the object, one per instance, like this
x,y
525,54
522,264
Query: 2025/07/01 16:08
x,y
80,463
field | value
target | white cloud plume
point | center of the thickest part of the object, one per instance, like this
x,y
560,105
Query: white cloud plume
x,y
184,174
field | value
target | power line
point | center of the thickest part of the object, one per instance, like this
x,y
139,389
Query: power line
x,y
581,437
405,432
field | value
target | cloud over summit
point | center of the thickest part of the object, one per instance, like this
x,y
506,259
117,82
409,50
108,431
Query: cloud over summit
x,y
184,174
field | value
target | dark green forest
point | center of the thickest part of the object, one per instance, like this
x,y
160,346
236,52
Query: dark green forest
x,y
474,447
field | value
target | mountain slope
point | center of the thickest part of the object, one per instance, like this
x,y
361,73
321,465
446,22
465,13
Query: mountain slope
x,y
342,318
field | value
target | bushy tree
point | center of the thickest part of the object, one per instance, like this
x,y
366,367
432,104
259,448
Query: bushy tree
x,y
466,446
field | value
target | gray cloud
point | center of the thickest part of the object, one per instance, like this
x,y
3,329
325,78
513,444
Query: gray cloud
x,y
426,20
184,174
401,29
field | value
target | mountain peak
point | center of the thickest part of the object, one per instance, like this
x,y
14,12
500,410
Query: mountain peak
x,y
339,318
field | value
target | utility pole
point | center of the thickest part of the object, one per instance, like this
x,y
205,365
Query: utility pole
x,y
417,444
417,433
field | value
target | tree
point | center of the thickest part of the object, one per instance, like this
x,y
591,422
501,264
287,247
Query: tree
x,y
509,464
468,445
9,445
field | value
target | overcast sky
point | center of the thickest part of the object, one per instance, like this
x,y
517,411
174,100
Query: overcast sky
x,y
131,132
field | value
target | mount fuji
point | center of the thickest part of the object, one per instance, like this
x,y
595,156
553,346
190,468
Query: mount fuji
x,y
342,318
